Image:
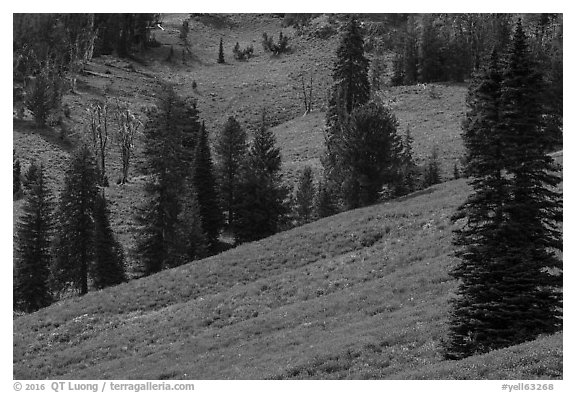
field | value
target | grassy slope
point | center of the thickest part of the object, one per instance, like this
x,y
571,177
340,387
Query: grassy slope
x,y
237,88
350,296
359,295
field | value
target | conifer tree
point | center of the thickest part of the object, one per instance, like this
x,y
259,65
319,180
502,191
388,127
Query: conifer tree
x,y
45,94
206,190
195,242
305,195
456,172
221,52
510,276
430,66
74,245
33,233
231,149
259,206
16,182
350,90
535,211
325,204
160,244
407,181
432,171
107,268
370,153
187,117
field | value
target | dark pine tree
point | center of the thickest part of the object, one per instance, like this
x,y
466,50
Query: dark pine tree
x,y
370,152
33,233
456,172
510,274
206,190
187,118
260,203
478,242
325,204
408,174
221,52
305,195
350,90
535,210
16,183
108,266
160,244
231,149
196,244
432,170
74,245
430,66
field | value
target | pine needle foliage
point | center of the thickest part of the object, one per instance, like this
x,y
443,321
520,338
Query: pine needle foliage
x,y
305,196
260,203
108,266
33,236
160,245
351,89
510,272
74,245
231,149
203,177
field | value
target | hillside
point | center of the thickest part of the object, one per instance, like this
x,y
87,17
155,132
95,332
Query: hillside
x,y
236,88
363,294
360,295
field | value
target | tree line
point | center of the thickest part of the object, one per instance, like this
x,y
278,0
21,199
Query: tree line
x,y
50,49
508,269
194,191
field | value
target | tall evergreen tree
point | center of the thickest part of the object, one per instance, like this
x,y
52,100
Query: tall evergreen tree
x,y
16,182
408,174
44,95
108,266
221,52
478,242
33,233
74,245
430,65
535,210
195,242
305,195
187,118
350,90
325,204
231,149
260,203
160,244
456,172
206,190
510,276
432,170
370,153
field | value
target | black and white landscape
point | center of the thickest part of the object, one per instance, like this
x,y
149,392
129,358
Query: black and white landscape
x,y
287,196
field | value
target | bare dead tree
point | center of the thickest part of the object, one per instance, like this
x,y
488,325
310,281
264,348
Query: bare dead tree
x,y
128,126
307,95
99,131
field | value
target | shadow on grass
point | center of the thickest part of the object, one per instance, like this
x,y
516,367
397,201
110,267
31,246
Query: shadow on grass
x,y
216,21
426,191
49,134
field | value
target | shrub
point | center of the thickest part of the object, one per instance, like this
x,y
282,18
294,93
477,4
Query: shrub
x,y
44,95
243,54
276,48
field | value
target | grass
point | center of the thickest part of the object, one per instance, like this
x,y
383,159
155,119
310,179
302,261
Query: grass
x,y
237,88
359,295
